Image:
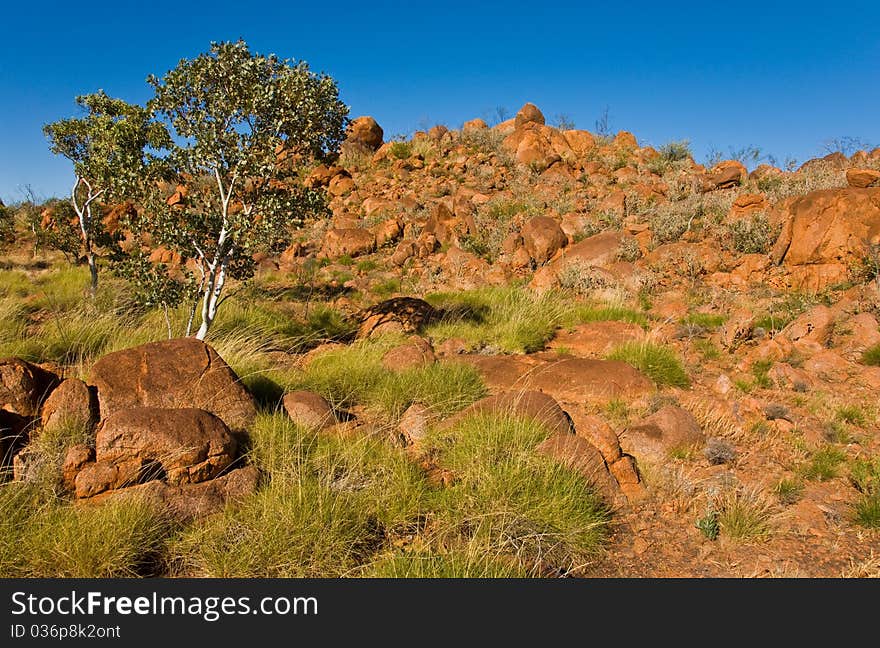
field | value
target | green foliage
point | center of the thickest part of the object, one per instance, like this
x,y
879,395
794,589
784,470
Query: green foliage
x,y
754,235
508,500
743,515
707,321
708,524
510,319
109,151
40,539
659,363
400,150
852,414
229,111
355,375
330,503
676,151
823,464
789,491
871,356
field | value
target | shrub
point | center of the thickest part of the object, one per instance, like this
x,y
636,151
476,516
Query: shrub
x,y
661,364
871,356
752,235
789,491
670,222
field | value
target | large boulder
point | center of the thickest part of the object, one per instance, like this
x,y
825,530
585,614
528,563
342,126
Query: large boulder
x,y
528,403
726,174
578,454
669,429
309,410
543,237
72,403
179,373
24,386
365,132
396,315
352,241
176,446
824,232
528,114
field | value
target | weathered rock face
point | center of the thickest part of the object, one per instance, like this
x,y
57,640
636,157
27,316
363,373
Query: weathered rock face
x,y
568,379
862,178
23,386
824,231
309,410
596,339
187,502
724,175
416,352
531,404
179,373
176,446
352,241
529,113
580,455
71,403
365,132
543,237
668,429
399,314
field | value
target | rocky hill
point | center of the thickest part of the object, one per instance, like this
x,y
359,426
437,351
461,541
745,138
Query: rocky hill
x,y
513,350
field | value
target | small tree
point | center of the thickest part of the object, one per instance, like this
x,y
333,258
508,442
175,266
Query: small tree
x,y
108,148
235,115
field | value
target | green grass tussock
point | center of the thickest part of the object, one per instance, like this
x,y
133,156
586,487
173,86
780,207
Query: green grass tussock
x,y
661,364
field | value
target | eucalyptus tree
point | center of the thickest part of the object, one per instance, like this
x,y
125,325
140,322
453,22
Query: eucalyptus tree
x,y
110,150
233,116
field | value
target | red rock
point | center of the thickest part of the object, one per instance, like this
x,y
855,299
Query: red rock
x,y
178,446
309,410
542,238
862,178
365,132
72,403
408,314
349,241
654,437
179,373
529,404
827,230
578,454
417,352
23,386
596,339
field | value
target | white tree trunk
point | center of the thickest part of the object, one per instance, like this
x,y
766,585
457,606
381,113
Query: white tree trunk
x,y
211,301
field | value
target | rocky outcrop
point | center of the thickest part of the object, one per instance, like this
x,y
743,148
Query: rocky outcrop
x,y
179,373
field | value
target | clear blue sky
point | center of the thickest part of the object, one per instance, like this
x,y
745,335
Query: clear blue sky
x,y
782,76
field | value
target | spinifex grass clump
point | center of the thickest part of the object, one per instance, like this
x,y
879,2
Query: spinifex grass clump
x,y
42,538
661,364
355,375
509,500
514,319
329,504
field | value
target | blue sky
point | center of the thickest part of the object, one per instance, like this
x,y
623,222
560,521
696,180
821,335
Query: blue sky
x,y
785,77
